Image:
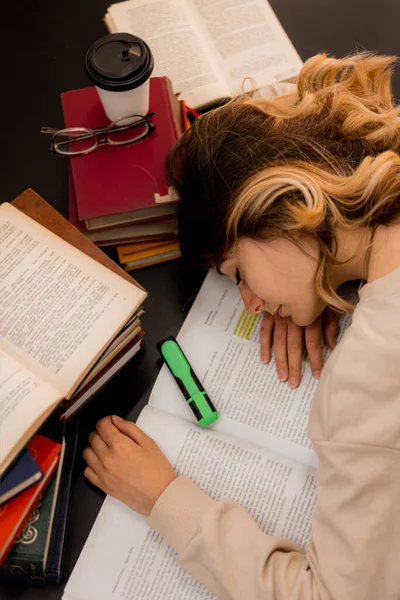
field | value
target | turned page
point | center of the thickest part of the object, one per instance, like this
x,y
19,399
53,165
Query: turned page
x,y
249,42
59,308
180,52
124,558
25,401
221,341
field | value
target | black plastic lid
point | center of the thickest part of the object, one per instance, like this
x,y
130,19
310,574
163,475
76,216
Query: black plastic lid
x,y
119,62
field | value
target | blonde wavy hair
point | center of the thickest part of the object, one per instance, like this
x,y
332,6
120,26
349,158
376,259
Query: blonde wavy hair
x,y
323,157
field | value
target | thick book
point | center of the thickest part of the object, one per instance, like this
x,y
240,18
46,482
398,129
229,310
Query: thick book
x,y
21,474
136,230
209,48
37,555
14,513
65,314
257,453
113,183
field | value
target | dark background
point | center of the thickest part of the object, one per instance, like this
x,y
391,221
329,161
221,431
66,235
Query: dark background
x,y
42,45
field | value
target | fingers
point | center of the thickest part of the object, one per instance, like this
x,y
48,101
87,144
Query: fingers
x,y
330,328
98,444
107,431
266,328
294,352
91,476
280,348
130,429
92,459
314,346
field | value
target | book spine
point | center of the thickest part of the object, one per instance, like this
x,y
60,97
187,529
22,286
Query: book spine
x,y
55,561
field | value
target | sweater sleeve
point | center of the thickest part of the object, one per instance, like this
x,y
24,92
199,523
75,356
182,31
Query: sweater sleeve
x,y
355,546
356,535
221,546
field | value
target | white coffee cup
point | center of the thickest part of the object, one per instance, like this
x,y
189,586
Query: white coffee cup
x,y
120,66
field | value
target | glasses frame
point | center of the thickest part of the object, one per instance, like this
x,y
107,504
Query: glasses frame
x,y
100,134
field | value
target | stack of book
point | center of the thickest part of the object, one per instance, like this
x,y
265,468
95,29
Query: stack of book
x,y
120,196
35,505
70,319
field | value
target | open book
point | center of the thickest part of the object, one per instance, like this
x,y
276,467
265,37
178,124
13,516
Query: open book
x,y
257,454
208,48
63,318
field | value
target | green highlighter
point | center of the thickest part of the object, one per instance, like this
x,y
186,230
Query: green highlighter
x,y
187,380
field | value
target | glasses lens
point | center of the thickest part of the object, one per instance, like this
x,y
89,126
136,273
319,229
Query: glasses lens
x,y
74,141
122,133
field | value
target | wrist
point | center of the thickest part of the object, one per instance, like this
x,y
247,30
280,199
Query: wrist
x,y
157,492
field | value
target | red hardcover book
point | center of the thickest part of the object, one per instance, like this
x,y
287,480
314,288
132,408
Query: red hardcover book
x,y
14,514
119,180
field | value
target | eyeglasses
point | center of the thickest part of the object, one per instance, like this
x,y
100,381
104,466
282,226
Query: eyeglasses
x,y
82,140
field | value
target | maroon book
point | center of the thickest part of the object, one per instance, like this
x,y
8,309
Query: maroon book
x,y
115,181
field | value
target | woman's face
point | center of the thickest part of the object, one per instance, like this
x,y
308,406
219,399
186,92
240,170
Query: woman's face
x,y
277,276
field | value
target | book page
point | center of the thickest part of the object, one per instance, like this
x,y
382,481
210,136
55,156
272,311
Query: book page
x,y
221,341
124,558
179,51
59,308
24,400
249,41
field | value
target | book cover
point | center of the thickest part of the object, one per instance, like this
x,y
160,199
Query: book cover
x,y
164,213
14,514
119,179
23,473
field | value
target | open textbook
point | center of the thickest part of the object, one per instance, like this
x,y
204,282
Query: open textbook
x,y
208,47
64,318
257,454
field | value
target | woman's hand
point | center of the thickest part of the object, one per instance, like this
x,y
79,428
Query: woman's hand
x,y
287,339
125,463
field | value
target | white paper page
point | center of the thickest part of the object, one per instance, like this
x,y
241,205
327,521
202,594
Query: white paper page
x,y
179,51
124,558
58,307
23,399
221,342
249,41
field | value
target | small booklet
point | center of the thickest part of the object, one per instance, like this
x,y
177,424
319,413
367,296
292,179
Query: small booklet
x,y
64,317
257,453
209,48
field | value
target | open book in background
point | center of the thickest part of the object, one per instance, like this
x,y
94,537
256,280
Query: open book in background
x,y
257,453
66,314
207,48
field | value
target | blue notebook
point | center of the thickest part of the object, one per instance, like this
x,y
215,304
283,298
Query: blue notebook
x,y
23,473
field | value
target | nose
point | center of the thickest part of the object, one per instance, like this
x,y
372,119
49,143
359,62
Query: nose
x,y
252,302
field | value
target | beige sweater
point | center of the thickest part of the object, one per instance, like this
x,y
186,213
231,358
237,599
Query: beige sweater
x,y
354,425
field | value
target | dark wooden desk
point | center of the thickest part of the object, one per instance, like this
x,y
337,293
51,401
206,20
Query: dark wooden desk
x,y
43,44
